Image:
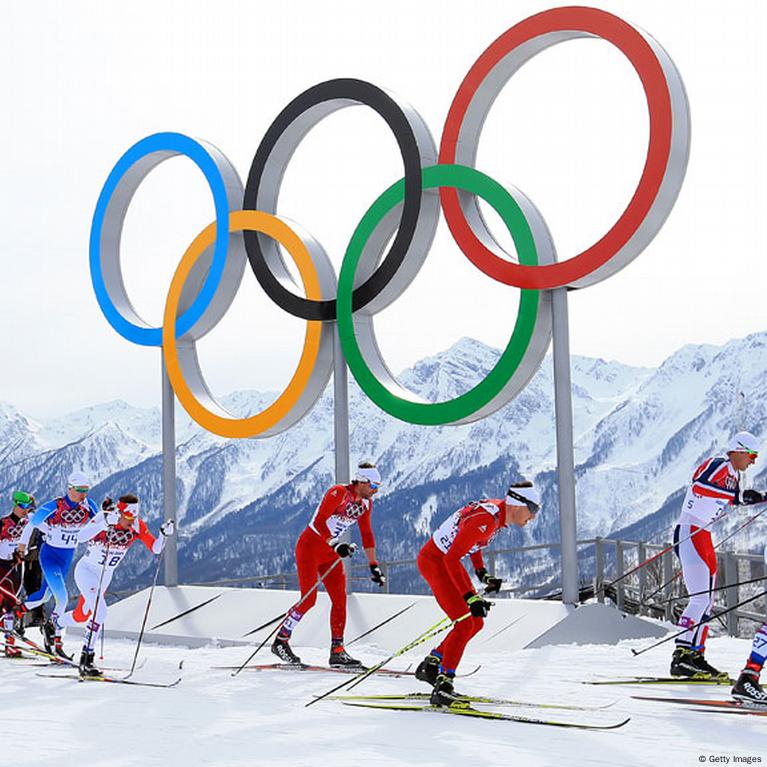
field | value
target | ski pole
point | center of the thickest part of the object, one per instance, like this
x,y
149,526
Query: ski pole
x,y
186,612
708,591
700,623
98,593
284,615
643,602
8,574
146,614
437,628
382,623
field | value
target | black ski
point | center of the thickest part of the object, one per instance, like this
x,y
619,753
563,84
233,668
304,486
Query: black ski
x,y
728,706
664,680
111,680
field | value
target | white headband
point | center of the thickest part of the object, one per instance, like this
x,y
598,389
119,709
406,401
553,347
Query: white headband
x,y
368,475
528,493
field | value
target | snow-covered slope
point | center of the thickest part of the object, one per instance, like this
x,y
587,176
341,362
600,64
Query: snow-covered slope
x,y
259,719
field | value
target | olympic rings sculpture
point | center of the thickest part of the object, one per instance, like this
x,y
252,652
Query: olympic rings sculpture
x,y
373,274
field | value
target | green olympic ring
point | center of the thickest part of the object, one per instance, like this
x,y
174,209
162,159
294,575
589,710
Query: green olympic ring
x,y
394,399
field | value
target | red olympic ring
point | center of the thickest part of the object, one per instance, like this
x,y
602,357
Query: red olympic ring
x,y
580,270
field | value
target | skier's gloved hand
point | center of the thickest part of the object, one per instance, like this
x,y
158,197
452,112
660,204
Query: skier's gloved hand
x,y
168,528
107,504
112,517
752,496
18,557
479,607
492,584
376,575
342,548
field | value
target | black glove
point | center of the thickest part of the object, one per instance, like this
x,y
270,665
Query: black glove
x,y
344,549
479,607
752,496
492,584
107,504
18,557
376,575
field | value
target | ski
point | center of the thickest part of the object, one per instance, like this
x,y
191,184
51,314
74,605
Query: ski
x,y
104,668
35,649
729,706
466,710
309,667
111,680
663,680
335,669
424,696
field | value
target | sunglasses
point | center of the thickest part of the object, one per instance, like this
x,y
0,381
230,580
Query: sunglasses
x,y
28,505
532,506
374,485
80,489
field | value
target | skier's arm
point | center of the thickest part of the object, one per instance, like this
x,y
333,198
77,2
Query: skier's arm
x,y
155,545
468,536
368,539
35,521
92,528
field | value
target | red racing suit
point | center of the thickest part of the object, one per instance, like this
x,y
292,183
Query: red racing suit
x,y
466,531
339,509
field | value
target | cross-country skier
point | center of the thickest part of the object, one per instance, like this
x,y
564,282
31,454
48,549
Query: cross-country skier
x,y
319,551
747,687
109,536
466,531
11,527
60,521
715,485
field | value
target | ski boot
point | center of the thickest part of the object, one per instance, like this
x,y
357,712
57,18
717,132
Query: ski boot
x,y
48,630
282,650
444,693
706,668
18,620
428,670
748,689
11,651
58,648
340,658
86,664
691,663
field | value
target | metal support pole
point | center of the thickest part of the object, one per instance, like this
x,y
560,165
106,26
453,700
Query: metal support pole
x,y
641,557
619,568
668,575
341,428
169,475
599,568
563,407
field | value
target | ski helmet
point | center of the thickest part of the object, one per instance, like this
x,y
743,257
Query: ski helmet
x,y
743,442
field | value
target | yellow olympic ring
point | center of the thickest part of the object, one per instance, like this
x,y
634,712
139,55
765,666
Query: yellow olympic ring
x,y
220,422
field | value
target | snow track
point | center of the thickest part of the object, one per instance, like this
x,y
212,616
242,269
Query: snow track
x,y
260,719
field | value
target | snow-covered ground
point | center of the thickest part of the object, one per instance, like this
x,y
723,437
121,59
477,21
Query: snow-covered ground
x,y
259,718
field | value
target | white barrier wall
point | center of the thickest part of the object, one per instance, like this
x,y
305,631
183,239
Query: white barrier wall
x,y
512,624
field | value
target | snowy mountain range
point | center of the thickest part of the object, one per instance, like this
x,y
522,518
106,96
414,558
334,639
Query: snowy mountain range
x,y
639,433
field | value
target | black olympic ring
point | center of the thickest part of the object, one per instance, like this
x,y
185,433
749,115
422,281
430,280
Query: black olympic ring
x,y
273,155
